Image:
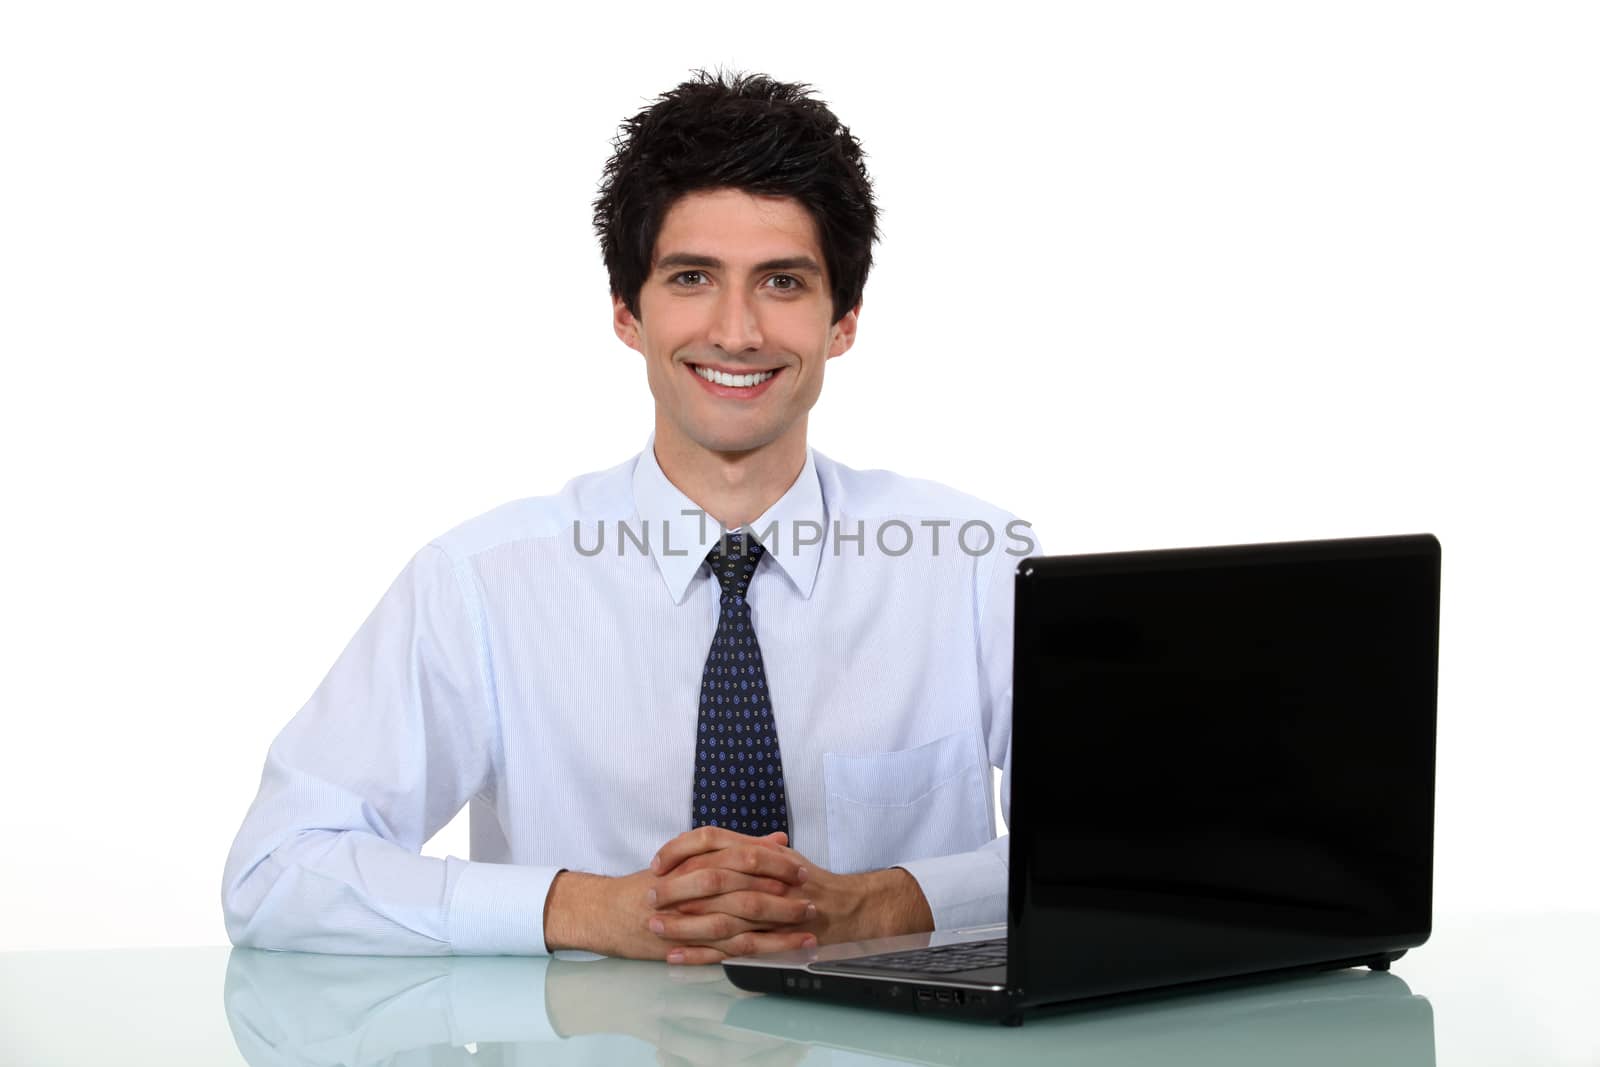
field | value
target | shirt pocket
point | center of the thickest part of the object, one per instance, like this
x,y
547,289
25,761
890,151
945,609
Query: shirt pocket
x,y
895,807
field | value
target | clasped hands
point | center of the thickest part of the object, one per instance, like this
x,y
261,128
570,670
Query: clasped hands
x,y
712,893
718,893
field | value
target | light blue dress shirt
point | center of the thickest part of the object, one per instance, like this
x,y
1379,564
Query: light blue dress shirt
x,y
542,664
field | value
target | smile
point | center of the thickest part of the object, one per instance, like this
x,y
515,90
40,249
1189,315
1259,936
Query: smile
x,y
736,381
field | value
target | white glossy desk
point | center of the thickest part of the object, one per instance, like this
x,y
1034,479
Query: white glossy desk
x,y
1495,990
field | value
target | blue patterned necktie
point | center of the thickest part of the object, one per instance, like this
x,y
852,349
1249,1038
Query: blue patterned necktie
x,y
738,773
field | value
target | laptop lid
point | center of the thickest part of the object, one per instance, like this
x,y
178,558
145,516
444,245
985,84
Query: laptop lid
x,y
1223,762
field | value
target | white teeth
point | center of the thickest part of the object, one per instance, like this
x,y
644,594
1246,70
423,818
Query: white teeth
x,y
742,381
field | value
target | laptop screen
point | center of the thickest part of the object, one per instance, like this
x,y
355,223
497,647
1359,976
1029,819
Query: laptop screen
x,y
1222,761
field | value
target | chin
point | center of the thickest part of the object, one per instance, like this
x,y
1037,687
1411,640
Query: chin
x,y
734,446
731,442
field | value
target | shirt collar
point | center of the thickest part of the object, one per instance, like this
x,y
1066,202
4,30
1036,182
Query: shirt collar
x,y
679,542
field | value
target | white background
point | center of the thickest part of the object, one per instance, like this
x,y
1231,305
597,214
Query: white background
x,y
288,289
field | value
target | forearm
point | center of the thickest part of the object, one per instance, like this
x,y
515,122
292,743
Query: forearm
x,y
860,907
900,906
574,916
965,889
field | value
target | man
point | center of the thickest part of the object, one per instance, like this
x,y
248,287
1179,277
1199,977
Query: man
x,y
644,711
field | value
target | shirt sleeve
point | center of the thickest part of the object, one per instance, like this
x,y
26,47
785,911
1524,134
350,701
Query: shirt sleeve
x,y
970,888
398,737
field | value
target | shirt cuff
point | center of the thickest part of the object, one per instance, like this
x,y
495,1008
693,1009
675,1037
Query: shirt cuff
x,y
498,909
967,889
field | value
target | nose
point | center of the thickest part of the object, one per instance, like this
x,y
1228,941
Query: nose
x,y
734,325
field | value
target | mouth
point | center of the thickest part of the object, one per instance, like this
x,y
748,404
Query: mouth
x,y
739,384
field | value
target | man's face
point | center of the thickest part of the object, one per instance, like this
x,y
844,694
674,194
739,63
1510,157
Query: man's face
x,y
737,286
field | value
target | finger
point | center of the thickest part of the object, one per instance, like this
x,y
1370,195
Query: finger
x,y
711,881
698,929
707,860
694,955
692,843
757,907
746,944
681,889
704,839
721,924
776,841
750,858
757,942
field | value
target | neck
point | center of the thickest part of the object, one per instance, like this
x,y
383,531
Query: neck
x,y
734,488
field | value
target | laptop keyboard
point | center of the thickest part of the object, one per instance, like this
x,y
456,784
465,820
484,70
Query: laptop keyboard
x,y
941,959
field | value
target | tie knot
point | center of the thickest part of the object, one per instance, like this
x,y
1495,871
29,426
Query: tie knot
x,y
734,567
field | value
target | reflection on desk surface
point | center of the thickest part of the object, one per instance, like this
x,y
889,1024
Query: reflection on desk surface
x,y
1344,1017
290,1009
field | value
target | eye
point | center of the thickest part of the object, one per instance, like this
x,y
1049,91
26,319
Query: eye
x,y
797,283
685,274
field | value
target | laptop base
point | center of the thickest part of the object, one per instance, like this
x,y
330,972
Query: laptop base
x,y
993,1004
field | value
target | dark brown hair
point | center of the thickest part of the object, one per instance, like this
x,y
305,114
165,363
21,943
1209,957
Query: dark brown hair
x,y
767,137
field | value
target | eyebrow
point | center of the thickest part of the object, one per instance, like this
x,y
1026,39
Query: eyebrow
x,y
800,264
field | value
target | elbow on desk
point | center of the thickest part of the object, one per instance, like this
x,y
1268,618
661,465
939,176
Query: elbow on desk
x,y
281,901
245,894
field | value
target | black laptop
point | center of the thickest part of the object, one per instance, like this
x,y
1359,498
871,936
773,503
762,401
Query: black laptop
x,y
1222,769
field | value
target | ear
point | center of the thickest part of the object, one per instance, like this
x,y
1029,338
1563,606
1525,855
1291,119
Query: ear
x,y
625,324
844,332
